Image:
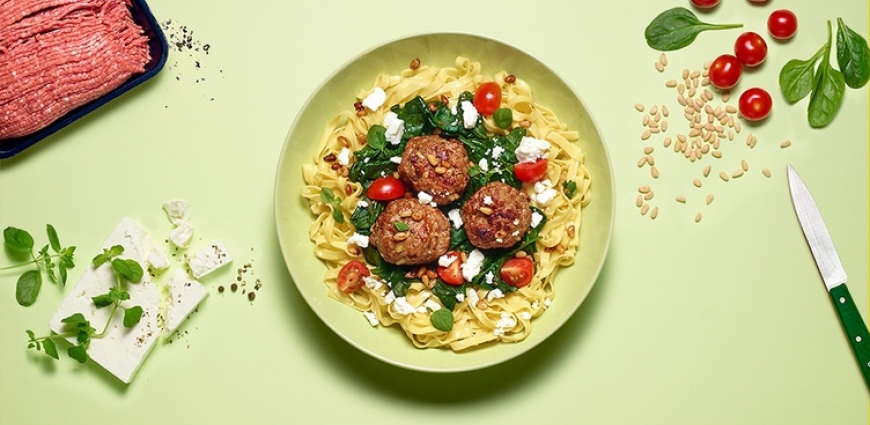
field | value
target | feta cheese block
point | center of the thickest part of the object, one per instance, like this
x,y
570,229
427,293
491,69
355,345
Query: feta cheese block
x,y
209,259
177,210
121,350
185,294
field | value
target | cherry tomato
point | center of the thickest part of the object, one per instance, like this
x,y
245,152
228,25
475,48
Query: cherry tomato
x,y
725,72
782,24
518,271
755,104
750,49
350,277
487,98
386,188
452,274
531,171
705,4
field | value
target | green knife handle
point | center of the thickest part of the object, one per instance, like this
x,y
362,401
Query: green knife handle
x,y
855,328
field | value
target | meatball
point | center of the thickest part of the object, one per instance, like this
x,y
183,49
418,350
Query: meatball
x,y
437,166
496,216
408,232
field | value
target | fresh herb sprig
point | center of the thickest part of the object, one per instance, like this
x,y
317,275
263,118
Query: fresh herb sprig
x,y
76,325
676,28
20,244
328,197
825,84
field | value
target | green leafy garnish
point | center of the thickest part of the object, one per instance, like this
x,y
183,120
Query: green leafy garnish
x,y
569,187
853,56
828,92
503,117
442,319
328,197
402,227
20,243
677,28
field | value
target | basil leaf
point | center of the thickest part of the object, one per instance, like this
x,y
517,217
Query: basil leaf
x,y
27,287
18,240
402,227
52,238
570,188
104,300
677,28
797,78
828,92
375,137
853,56
327,196
128,269
503,117
442,319
132,316
78,353
74,319
50,348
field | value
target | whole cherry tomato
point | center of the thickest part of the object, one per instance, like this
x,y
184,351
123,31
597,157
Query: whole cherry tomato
x,y
350,277
750,49
782,24
755,104
725,72
531,171
452,274
487,98
385,188
518,272
705,4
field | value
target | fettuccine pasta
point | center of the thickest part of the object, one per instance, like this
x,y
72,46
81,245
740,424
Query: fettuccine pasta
x,y
480,315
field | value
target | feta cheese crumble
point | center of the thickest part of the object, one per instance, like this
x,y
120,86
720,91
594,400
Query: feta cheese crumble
x,y
359,240
403,307
396,159
424,197
537,218
506,322
375,99
495,293
473,298
177,210
344,156
181,234
395,128
370,316
469,114
209,259
471,267
455,217
544,192
531,149
446,260
373,282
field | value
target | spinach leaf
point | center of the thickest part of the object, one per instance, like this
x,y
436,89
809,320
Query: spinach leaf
x,y
447,293
364,218
392,274
853,56
677,28
797,77
828,92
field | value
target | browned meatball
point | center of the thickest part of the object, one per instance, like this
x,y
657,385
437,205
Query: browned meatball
x,y
409,232
496,216
437,166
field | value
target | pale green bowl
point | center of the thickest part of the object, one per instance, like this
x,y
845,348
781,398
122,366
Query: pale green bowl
x,y
337,93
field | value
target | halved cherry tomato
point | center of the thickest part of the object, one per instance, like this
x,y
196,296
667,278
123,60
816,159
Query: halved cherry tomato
x,y
452,274
755,104
386,188
705,4
531,171
487,98
518,271
350,277
750,49
725,72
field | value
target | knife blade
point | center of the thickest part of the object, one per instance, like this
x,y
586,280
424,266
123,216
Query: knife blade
x,y
831,270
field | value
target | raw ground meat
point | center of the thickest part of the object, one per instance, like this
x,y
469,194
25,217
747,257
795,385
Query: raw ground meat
x,y
57,55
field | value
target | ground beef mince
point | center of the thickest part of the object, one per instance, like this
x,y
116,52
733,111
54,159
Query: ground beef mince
x,y
437,166
496,216
409,232
56,55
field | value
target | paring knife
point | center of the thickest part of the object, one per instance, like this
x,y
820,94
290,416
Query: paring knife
x,y
831,270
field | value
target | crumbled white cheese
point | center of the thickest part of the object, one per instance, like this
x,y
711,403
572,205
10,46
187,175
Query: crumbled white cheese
x,y
209,259
182,234
396,159
507,321
497,151
424,197
370,316
362,204
460,297
484,164
373,282
547,302
395,128
525,315
531,149
158,259
471,267
487,200
177,210
489,278
455,217
446,260
403,307
121,350
390,297
185,294
375,99
495,293
359,240
344,156
536,219
469,114
544,198
473,298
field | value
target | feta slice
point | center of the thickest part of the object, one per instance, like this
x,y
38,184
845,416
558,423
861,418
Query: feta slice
x,y
403,307
483,164
396,159
455,217
395,128
209,259
372,318
544,198
469,114
537,218
531,149
182,234
359,240
525,315
185,294
375,99
177,210
390,297
460,297
446,260
471,267
121,350
424,197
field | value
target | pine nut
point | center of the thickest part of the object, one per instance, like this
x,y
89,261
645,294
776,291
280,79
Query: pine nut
x,y
415,64
485,210
643,189
697,183
709,198
785,144
433,160
723,175
654,172
405,213
671,83
639,201
649,196
706,171
653,110
660,67
766,172
639,107
644,209
744,165
681,199
737,173
642,161
663,59
698,218
400,236
667,142
648,150
645,135
654,213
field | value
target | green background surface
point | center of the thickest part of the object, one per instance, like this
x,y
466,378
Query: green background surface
x,y
718,322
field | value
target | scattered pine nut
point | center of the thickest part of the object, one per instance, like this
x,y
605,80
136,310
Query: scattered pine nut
x,y
654,213
650,160
649,196
663,59
665,110
697,182
654,172
653,110
681,199
645,135
643,189
744,165
667,142
648,150
726,96
639,107
639,201
642,161
660,67
723,175
709,198
698,218
644,209
766,172
738,173
716,154
671,83
785,144
706,171
664,126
